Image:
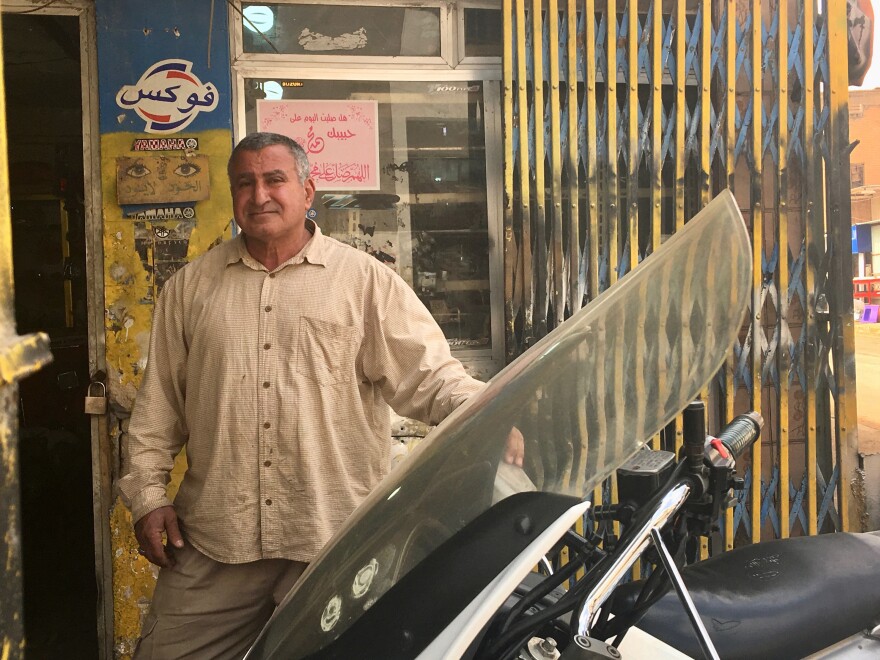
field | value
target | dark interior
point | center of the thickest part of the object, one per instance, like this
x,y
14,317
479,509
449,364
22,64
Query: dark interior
x,y
44,119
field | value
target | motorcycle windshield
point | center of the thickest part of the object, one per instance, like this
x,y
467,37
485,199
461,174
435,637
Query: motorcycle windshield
x,y
585,398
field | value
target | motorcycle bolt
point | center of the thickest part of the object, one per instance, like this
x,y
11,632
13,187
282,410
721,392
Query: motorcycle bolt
x,y
548,646
613,652
542,649
582,641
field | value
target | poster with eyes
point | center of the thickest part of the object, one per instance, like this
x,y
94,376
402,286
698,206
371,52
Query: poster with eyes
x,y
160,179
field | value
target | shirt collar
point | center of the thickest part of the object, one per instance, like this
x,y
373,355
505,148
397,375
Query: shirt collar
x,y
315,251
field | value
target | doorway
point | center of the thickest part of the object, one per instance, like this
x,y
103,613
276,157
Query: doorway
x,y
44,107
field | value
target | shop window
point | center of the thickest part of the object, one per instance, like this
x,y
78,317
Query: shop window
x,y
352,29
483,34
399,107
414,194
857,175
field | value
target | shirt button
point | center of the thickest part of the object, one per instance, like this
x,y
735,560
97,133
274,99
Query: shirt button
x,y
272,275
266,384
267,463
268,502
268,308
267,425
267,346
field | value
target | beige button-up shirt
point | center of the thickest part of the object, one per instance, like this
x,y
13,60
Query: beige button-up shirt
x,y
279,384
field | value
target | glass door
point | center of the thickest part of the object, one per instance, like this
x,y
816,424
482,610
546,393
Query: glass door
x,y
408,171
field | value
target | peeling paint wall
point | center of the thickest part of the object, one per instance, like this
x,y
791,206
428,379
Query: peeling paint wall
x,y
139,255
164,89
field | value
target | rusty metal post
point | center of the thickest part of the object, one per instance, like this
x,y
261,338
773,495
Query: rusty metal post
x,y
19,357
840,271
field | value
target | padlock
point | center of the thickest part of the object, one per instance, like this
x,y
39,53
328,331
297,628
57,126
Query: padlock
x,y
96,405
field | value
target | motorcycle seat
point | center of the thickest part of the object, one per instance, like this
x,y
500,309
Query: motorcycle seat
x,y
784,598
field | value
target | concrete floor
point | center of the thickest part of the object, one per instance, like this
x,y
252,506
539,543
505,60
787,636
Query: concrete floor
x,y
868,385
868,403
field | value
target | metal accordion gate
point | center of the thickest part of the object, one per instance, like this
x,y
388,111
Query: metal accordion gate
x,y
622,118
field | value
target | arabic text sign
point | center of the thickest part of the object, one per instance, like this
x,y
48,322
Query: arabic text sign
x,y
155,179
340,137
168,96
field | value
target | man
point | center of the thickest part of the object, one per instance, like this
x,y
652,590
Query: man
x,y
273,358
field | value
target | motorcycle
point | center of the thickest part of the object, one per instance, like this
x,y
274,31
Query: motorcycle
x,y
439,561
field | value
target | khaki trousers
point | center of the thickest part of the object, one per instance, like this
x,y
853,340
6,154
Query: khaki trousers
x,y
202,608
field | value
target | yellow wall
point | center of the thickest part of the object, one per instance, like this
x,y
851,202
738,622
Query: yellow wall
x,y
129,292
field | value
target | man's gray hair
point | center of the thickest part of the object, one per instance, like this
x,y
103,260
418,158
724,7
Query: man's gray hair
x,y
259,141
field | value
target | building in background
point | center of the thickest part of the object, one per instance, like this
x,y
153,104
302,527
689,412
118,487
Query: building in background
x,y
864,120
866,230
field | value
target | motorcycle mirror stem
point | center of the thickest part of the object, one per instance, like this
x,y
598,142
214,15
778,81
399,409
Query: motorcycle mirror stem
x,y
694,443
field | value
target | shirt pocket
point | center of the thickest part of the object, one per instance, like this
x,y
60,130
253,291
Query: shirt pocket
x,y
326,351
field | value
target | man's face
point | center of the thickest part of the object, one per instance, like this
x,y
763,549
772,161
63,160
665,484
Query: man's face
x,y
269,202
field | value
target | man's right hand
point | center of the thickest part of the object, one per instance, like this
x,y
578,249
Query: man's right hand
x,y
149,530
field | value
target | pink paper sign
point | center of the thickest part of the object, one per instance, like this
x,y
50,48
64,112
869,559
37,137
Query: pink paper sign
x,y
340,137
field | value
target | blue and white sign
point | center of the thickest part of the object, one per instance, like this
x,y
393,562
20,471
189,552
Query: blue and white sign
x,y
168,96
861,238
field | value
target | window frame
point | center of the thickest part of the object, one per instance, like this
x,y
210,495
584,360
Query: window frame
x,y
449,68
